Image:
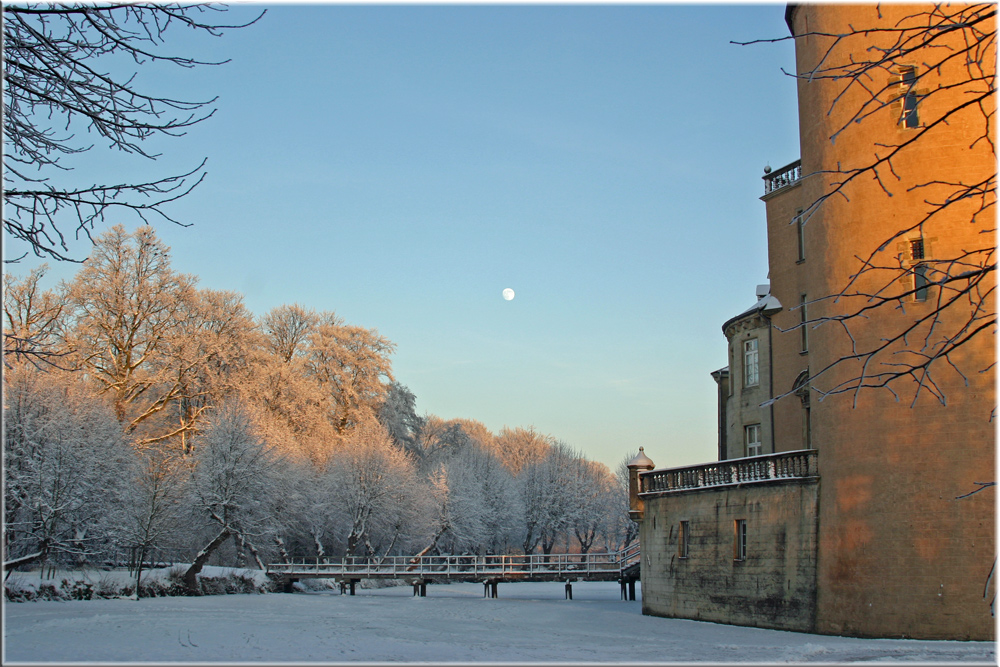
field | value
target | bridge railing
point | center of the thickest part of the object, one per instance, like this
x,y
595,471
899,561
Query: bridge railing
x,y
603,563
629,556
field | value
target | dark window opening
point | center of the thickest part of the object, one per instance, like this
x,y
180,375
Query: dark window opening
x,y
803,318
920,282
909,118
799,225
740,539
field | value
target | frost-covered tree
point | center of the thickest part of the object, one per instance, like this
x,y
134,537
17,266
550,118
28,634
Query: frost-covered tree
x,y
398,413
624,530
234,483
441,441
494,499
287,329
124,306
210,355
592,488
374,489
517,447
352,366
32,318
309,512
293,408
548,505
319,377
64,453
151,513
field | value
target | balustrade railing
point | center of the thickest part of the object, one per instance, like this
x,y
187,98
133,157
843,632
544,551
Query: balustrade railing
x,y
770,467
787,175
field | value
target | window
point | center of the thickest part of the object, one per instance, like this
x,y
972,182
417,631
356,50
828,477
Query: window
x,y
751,436
909,97
803,318
751,363
920,283
740,539
801,389
800,222
682,540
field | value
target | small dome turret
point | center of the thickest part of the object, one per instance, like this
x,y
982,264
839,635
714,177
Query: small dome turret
x,y
641,461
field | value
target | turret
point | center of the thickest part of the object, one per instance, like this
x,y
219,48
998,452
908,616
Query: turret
x,y
640,463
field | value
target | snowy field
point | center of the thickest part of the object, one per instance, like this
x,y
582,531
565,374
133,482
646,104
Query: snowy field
x,y
529,622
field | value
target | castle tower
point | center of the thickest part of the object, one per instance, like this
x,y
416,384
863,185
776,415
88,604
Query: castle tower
x,y
899,553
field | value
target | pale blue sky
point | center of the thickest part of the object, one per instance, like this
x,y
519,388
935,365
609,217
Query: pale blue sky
x,y
401,165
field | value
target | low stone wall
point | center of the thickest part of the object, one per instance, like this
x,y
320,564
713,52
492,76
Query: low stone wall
x,y
773,587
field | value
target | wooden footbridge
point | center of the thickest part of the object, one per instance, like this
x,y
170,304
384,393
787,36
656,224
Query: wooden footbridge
x,y
621,566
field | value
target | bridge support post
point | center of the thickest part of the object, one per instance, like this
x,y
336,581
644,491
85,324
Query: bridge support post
x,y
569,590
290,585
631,590
354,582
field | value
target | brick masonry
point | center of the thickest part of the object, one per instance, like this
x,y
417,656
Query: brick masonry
x,y
881,545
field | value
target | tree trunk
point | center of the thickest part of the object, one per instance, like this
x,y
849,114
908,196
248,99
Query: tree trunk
x,y
11,565
256,555
191,575
282,551
138,571
416,559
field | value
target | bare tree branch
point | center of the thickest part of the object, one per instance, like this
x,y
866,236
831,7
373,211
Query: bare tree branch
x,y
55,86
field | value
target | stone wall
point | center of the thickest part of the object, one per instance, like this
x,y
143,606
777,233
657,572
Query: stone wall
x,y
774,587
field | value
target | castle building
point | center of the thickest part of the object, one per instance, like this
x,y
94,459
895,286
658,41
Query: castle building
x,y
853,488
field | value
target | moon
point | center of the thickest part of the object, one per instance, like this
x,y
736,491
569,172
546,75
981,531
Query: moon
x,y
508,294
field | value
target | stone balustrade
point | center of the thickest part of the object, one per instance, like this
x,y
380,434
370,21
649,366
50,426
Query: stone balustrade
x,y
787,175
768,468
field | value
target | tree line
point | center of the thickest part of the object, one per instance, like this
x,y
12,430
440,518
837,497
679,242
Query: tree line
x,y
144,412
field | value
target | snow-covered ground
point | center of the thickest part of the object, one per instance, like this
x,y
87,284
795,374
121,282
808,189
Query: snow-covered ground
x,y
529,622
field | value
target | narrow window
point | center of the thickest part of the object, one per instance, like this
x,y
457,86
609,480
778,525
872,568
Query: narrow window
x,y
919,269
908,82
803,318
740,539
682,540
920,282
751,364
807,425
751,436
800,229
801,389
732,379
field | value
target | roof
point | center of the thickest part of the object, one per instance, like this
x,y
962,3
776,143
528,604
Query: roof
x,y
766,305
789,11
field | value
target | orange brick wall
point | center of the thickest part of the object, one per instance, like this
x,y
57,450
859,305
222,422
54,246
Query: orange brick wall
x,y
898,554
